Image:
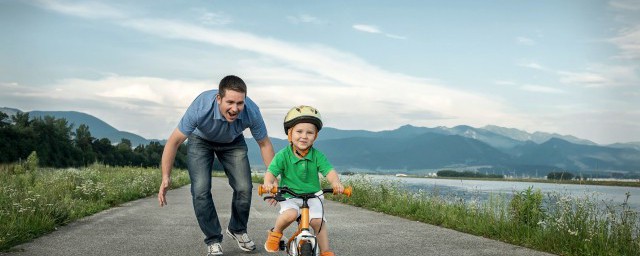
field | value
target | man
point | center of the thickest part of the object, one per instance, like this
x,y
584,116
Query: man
x,y
214,123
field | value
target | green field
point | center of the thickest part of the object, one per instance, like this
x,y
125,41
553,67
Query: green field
x,y
34,201
554,222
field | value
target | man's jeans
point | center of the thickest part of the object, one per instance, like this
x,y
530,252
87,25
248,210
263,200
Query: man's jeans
x,y
233,157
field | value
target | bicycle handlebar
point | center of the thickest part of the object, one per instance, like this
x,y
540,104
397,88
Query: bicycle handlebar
x,y
347,191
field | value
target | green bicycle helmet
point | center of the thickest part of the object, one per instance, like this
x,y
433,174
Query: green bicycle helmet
x,y
302,114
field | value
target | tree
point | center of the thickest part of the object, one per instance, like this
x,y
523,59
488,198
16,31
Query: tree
x,y
4,120
560,176
21,120
83,141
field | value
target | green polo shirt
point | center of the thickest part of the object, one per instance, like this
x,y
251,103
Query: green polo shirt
x,y
300,174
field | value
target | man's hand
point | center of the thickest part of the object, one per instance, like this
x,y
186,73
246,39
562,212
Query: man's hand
x,y
164,186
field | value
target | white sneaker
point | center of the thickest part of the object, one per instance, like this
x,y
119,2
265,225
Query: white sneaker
x,y
214,249
244,242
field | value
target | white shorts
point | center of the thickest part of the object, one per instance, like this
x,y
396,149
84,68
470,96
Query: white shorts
x,y
315,206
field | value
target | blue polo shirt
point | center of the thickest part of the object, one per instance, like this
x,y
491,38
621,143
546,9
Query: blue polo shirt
x,y
203,118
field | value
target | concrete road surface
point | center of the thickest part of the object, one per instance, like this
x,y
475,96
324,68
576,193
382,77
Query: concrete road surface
x,y
143,228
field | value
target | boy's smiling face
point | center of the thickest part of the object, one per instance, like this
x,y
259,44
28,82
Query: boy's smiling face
x,y
303,135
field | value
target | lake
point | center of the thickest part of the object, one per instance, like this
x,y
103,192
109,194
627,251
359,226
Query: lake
x,y
481,189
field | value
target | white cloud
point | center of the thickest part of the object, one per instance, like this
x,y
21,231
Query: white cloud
x,y
148,106
602,76
594,75
628,41
305,18
532,65
281,75
395,36
525,41
375,30
367,28
85,9
334,81
585,79
214,18
541,89
505,82
630,5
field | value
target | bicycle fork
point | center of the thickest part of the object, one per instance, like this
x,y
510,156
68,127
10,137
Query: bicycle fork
x,y
303,241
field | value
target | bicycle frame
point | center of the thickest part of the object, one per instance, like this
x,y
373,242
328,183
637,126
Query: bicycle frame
x,y
302,242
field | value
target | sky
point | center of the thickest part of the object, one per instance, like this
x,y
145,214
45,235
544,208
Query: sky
x,y
569,67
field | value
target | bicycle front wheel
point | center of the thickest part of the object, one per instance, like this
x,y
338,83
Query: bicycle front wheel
x,y
306,249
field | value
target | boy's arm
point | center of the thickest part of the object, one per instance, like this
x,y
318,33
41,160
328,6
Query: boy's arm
x,y
334,179
269,181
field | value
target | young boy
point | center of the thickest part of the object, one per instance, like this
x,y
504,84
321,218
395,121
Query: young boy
x,y
298,166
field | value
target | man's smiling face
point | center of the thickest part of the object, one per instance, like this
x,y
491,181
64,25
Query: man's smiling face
x,y
231,104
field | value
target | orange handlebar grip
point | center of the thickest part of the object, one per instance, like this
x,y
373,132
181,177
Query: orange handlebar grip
x,y
262,191
347,191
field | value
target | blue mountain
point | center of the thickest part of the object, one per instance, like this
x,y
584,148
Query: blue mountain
x,y
416,149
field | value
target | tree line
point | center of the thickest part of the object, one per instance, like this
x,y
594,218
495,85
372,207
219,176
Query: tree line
x,y
467,174
58,145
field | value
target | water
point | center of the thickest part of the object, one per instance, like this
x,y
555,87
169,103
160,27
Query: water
x,y
481,189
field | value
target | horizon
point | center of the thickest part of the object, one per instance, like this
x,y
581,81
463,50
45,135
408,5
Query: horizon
x,y
248,134
569,68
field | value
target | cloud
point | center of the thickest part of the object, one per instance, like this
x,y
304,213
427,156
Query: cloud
x,y
367,28
594,75
585,79
305,18
84,9
214,18
281,75
630,5
374,30
602,76
525,41
505,82
532,65
628,41
332,80
541,89
148,106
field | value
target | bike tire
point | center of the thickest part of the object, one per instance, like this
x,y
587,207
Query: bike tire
x,y
306,250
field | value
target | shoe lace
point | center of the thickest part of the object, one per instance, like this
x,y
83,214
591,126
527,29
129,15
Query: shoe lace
x,y
245,238
215,248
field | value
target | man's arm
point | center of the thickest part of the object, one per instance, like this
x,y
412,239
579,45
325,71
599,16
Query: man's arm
x,y
168,157
266,150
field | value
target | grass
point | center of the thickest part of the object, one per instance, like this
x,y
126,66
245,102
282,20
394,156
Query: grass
x,y
34,202
555,223
620,183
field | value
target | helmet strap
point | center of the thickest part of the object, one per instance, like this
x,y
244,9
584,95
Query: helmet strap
x,y
299,152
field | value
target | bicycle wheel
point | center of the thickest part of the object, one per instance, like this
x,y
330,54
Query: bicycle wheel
x,y
306,249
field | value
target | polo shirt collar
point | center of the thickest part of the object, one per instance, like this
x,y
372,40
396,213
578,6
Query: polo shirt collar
x,y
294,159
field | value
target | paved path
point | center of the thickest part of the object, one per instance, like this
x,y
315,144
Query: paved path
x,y
143,228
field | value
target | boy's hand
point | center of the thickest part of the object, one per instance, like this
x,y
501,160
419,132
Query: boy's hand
x,y
337,187
268,187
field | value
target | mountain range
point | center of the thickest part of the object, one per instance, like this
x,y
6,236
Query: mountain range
x,y
412,149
